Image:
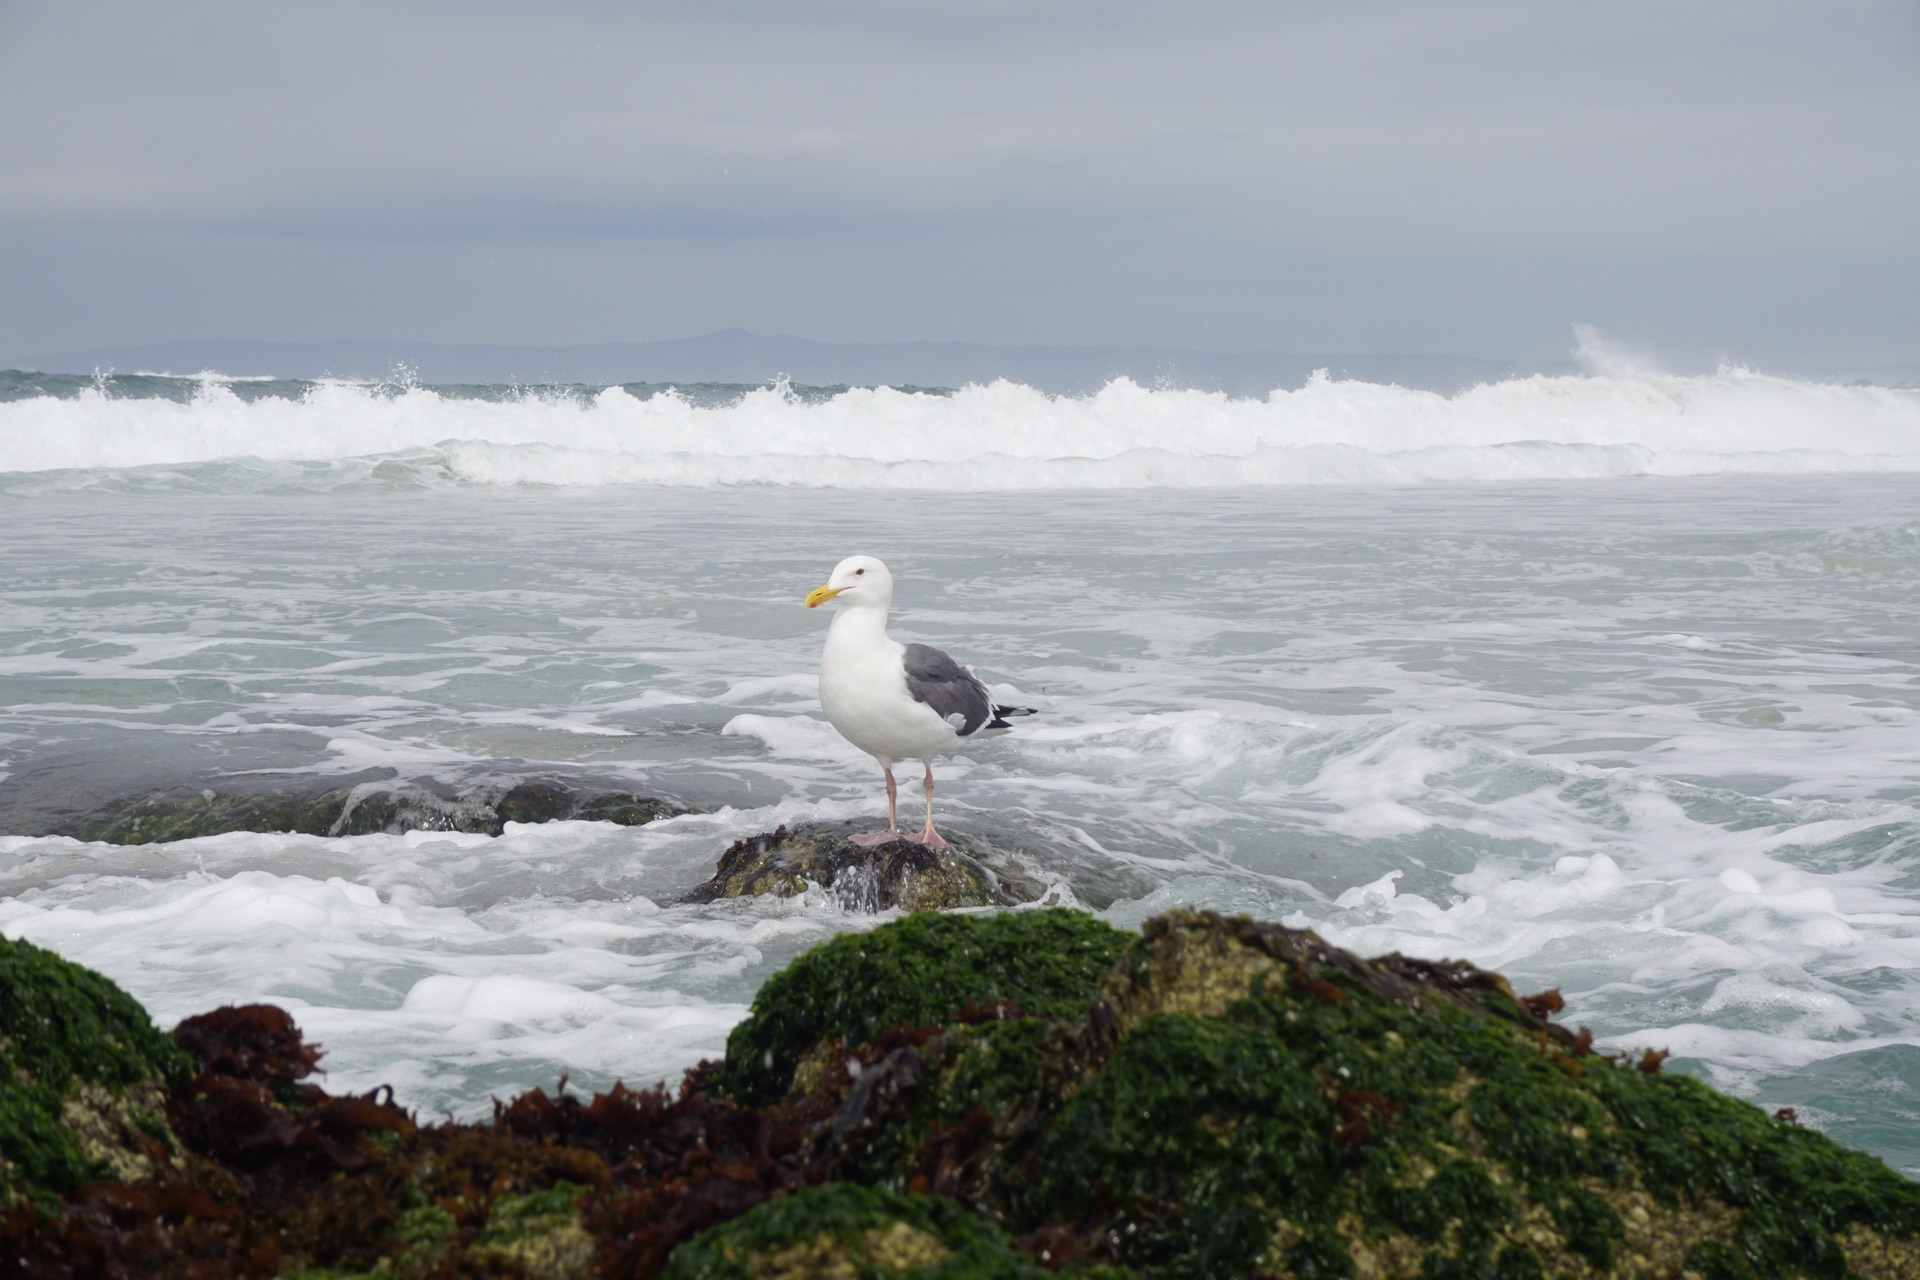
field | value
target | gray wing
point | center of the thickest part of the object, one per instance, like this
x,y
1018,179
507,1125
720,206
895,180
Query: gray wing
x,y
949,688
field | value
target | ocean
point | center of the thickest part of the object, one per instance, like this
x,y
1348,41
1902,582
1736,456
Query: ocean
x,y
1610,683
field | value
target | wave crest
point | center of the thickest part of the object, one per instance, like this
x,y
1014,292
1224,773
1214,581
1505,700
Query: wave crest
x,y
993,437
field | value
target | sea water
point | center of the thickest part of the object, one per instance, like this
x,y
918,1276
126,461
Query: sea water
x,y
1610,684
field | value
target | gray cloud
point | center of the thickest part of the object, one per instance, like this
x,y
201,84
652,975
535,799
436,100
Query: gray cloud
x,y
1717,178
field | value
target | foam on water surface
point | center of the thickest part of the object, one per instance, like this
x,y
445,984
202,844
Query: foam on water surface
x,y
212,434
1649,741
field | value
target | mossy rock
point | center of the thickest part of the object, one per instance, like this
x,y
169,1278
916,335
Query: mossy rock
x,y
899,875
1211,1097
1242,1099
185,814
367,808
923,970
402,1233
844,1232
538,1233
84,1076
622,808
535,802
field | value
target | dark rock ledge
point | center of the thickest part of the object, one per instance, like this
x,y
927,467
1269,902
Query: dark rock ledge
x,y
993,1095
392,806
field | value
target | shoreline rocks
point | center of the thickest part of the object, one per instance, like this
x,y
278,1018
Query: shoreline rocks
x,y
382,805
898,875
981,1095
84,1080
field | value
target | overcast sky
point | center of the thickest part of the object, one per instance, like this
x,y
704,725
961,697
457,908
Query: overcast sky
x,y
1705,179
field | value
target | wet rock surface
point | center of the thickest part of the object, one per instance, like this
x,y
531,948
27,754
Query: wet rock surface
x,y
955,1096
844,1230
897,875
1241,1099
363,808
84,1079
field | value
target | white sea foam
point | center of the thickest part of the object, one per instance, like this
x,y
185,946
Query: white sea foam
x,y
1650,742
383,955
998,437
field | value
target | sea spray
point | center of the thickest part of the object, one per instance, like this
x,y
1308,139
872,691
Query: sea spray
x,y
213,435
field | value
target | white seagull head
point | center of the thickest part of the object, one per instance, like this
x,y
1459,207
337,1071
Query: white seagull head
x,y
857,580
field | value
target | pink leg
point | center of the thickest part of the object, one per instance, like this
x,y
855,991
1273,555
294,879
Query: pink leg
x,y
872,838
930,837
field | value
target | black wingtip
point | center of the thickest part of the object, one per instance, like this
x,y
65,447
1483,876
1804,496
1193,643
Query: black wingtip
x,y
1000,715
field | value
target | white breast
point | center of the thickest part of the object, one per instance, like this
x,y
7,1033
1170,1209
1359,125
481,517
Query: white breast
x,y
863,690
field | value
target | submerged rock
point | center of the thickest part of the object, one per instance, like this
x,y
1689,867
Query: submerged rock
x,y
183,813
899,875
987,1095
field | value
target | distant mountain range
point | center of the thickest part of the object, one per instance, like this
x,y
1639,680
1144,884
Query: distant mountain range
x,y
734,355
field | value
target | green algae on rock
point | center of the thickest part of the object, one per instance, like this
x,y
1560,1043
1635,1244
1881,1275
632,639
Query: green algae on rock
x,y
366,808
540,1233
949,1096
923,970
841,1230
1243,1099
899,875
83,1079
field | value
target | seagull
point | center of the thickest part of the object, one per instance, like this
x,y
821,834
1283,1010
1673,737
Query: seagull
x,y
895,701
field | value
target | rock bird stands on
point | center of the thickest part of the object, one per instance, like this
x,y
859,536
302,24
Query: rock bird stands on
x,y
895,701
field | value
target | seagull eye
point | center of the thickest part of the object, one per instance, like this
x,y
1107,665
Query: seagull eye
x,y
858,572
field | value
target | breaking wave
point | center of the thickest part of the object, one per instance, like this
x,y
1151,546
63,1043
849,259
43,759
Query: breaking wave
x,y
216,434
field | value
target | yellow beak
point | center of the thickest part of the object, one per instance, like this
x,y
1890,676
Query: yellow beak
x,y
820,595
